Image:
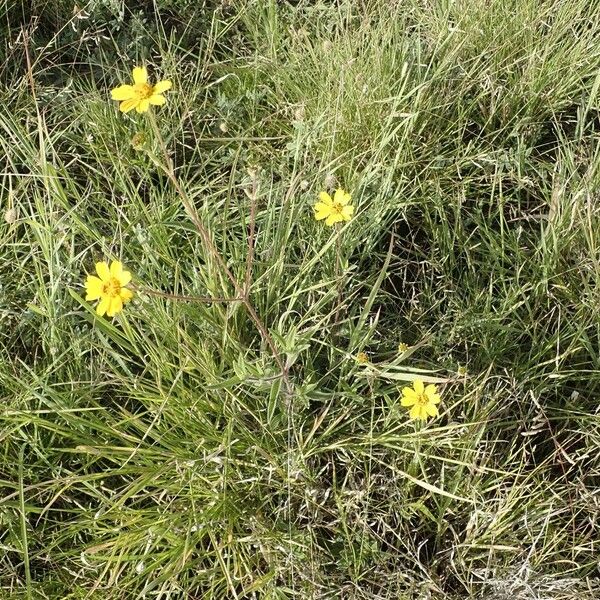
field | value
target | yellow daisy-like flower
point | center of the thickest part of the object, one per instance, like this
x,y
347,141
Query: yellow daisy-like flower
x,y
334,210
109,288
422,399
402,348
362,358
141,94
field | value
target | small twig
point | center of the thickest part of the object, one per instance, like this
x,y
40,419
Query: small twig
x,y
29,68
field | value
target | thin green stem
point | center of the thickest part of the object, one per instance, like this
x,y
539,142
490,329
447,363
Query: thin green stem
x,y
184,298
169,170
338,278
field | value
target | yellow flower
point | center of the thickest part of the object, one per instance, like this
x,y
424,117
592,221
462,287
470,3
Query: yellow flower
x,y
362,358
109,288
422,399
334,210
141,94
402,348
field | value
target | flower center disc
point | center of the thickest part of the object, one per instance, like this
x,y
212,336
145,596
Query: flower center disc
x,y
422,400
143,90
337,207
112,288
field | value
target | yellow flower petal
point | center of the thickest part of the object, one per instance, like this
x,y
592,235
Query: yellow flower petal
x,y
157,100
93,287
128,105
415,412
325,198
123,92
322,211
143,105
430,389
115,306
103,305
162,86
431,410
124,278
408,400
418,386
434,398
116,268
126,295
347,212
332,219
103,271
341,197
140,75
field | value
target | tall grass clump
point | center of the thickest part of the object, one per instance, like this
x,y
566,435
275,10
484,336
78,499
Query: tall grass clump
x,y
239,429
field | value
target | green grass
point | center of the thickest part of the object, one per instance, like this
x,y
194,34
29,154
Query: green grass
x,y
161,454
